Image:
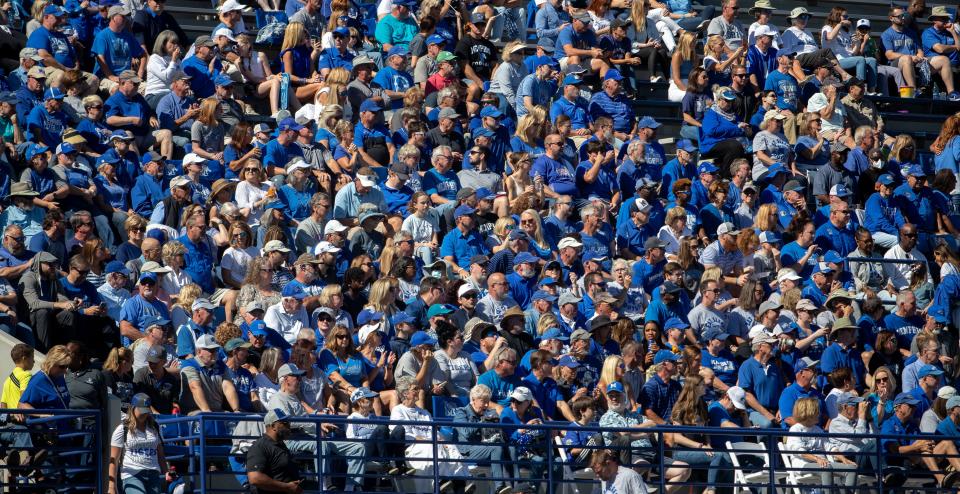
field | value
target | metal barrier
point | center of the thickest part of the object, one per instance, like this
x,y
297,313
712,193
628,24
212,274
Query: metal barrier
x,y
64,450
752,459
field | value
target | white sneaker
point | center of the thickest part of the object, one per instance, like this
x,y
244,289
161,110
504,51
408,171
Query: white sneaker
x,y
656,79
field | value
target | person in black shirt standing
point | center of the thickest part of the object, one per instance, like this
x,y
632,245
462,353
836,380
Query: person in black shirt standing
x,y
478,56
270,468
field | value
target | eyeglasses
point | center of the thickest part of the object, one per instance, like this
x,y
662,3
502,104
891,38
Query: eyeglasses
x,y
469,295
553,144
18,240
715,290
739,75
240,235
138,230
341,337
882,379
251,170
908,235
87,223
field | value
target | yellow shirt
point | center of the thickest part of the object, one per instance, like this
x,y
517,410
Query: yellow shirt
x,y
14,386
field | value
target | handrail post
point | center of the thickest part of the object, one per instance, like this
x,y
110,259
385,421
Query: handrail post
x,y
321,463
99,445
436,465
774,457
203,455
549,449
663,464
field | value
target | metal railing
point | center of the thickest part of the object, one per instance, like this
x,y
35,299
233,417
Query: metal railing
x,y
758,460
58,450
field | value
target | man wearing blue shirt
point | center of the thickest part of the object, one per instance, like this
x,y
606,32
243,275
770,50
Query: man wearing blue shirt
x,y
683,166
596,176
140,308
837,234
199,259
781,82
806,373
577,44
127,110
338,56
30,94
762,57
537,88
55,47
941,37
195,327
634,235
501,379
612,103
661,391
393,78
115,48
463,242
283,148
717,357
572,105
148,190
762,381
842,353
177,109
199,69
46,122
371,137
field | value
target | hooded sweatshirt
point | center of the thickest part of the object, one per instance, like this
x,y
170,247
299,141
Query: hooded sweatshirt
x,y
38,292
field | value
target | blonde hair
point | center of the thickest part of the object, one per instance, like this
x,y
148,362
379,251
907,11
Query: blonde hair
x,y
208,111
335,81
59,355
638,13
170,250
674,214
806,409
766,221
378,294
328,112
112,364
547,321
328,293
293,36
608,372
500,227
538,229
270,362
187,296
711,274
686,45
508,50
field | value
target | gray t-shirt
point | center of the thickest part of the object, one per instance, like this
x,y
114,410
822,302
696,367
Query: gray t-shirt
x,y
776,147
291,405
210,137
408,365
476,179
426,65
733,33
459,372
627,481
211,384
492,310
701,319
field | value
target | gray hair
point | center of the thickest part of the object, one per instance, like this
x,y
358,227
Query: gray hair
x,y
480,392
160,45
588,210
229,209
401,236
317,198
633,146
861,132
505,353
77,219
439,151
447,92
406,383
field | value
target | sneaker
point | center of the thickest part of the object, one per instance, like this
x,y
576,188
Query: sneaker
x,y
950,479
505,489
703,25
954,96
655,79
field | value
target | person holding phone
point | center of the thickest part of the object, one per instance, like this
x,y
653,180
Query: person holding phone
x,y
270,467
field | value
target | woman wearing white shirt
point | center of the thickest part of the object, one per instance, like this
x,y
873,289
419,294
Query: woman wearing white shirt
x,y
674,227
836,37
510,73
162,66
251,194
809,452
237,257
142,458
172,282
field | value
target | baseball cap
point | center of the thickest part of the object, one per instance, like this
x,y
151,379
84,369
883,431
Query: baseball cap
x,y
580,334
463,210
615,387
140,401
568,298
445,56
525,258
258,328
613,75
439,310
207,342
787,274
665,356
274,416
714,334
669,287
401,318
367,316
116,267
769,305
686,145
479,259
156,354
738,397
236,343
491,111
885,179
202,303
333,226
465,289
929,370
290,123
368,330
521,393
293,290
905,399
707,167
398,51
361,393
289,370
648,123
805,363
54,93
569,362
436,39
840,190
553,334
422,338
674,323
769,237
727,228
569,242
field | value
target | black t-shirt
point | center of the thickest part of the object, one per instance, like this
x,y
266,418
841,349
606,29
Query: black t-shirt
x,y
479,53
163,392
272,459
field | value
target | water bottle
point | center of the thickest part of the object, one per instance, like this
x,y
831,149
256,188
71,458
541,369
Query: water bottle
x,y
284,89
538,183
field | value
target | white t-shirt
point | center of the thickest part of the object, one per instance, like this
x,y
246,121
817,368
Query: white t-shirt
x,y
403,413
140,451
236,261
265,387
840,44
422,229
360,431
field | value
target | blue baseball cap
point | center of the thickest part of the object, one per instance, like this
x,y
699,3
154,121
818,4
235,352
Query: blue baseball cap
x,y
65,148
648,123
34,150
916,171
674,322
439,310
785,52
707,167
929,370
544,295
463,210
728,95
939,314
833,257
525,258
769,237
615,387
422,338
483,193
554,334
572,80
714,334
54,10
805,363
840,190
665,356
140,401
148,277
223,80
53,92
569,362
775,169
366,316
116,267
398,51
686,145
822,267
483,132
613,75
370,105
258,328
885,179
293,290
341,32
905,399
491,111
547,281
436,39
401,318
154,321
290,124
120,134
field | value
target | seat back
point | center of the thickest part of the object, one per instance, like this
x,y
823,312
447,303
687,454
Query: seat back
x,y
564,457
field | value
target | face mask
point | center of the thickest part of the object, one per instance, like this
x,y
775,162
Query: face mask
x,y
877,164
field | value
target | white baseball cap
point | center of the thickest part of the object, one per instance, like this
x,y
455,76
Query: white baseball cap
x,y
225,31
465,289
521,393
738,397
333,226
569,242
325,247
232,5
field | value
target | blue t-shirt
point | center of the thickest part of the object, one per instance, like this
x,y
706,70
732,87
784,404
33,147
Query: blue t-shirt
x,y
354,369
904,43
722,365
604,186
765,386
392,79
933,37
445,185
117,50
136,310
555,175
275,154
501,386
786,87
45,127
198,262
201,79
905,327
56,43
117,105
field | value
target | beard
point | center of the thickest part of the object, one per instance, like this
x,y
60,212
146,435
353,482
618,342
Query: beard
x,y
618,408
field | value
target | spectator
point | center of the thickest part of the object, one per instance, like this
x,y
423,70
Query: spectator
x,y
206,377
138,435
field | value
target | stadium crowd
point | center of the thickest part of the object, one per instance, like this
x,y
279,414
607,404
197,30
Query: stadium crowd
x,y
402,201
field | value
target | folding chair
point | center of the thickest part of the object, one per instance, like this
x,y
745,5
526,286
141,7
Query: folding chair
x,y
743,479
573,480
792,476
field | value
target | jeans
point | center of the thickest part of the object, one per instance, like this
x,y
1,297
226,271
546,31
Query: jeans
x,y
757,419
690,132
490,453
144,482
718,465
884,239
866,68
849,473
352,452
691,23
